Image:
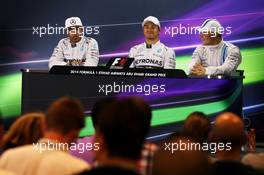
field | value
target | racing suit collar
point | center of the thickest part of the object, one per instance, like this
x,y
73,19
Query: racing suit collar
x,y
217,46
153,45
78,43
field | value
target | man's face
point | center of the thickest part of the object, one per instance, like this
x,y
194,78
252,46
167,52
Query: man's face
x,y
151,31
208,38
75,33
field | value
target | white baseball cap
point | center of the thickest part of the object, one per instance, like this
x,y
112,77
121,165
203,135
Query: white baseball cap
x,y
210,25
73,21
152,19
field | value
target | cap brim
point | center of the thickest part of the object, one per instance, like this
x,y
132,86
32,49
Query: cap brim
x,y
149,21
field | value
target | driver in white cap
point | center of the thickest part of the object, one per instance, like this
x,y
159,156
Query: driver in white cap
x,y
152,53
214,56
76,49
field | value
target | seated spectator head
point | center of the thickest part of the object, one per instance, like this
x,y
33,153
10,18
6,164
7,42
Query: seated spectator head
x,y
27,129
256,160
171,158
65,118
228,129
98,107
197,126
122,129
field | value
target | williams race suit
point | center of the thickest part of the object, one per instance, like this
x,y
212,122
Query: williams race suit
x,y
152,56
220,59
85,52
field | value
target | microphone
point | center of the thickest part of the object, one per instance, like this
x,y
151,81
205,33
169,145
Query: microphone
x,y
73,45
148,46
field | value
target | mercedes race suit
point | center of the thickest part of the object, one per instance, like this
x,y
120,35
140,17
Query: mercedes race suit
x,y
83,53
152,56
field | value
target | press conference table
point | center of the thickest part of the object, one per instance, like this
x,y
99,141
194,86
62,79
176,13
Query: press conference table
x,y
171,94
